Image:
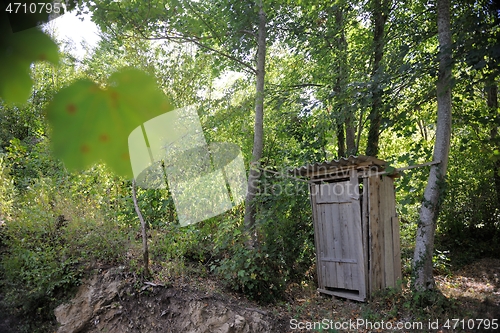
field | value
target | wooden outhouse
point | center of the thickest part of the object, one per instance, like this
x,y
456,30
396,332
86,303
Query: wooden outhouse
x,y
356,228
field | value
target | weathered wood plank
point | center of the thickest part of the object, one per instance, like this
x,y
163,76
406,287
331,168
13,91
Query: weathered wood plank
x,y
376,260
357,235
316,225
396,243
365,216
344,246
333,193
323,240
343,294
326,237
350,261
322,244
386,215
397,248
337,244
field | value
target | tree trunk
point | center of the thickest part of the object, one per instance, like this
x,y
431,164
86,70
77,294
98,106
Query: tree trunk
x,y
345,122
350,136
379,17
258,141
340,139
424,245
145,252
492,102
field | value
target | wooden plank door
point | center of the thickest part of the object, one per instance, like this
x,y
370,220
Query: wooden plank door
x,y
339,242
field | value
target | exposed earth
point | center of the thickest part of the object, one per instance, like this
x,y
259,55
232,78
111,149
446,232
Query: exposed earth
x,y
110,303
115,301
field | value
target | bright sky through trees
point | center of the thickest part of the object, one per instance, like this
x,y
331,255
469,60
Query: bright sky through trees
x,y
71,27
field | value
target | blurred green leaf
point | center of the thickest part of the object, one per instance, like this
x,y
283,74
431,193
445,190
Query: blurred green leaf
x,y
17,52
90,124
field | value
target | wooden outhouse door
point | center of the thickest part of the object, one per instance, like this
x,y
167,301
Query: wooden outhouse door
x,y
339,238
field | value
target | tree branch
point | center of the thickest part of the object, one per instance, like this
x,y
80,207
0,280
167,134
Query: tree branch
x,y
145,252
182,38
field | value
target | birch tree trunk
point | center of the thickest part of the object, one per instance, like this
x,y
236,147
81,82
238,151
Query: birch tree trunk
x,y
258,142
424,245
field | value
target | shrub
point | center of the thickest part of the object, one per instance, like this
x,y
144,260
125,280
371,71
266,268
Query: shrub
x,y
253,273
7,190
51,240
285,250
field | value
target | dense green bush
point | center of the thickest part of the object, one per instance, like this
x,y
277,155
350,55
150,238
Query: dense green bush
x,y
284,253
7,189
172,242
52,239
469,223
252,272
31,159
285,249
469,226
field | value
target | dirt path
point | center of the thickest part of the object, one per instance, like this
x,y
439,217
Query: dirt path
x,y
476,287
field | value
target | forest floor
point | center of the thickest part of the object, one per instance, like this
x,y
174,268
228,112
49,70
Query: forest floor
x,y
471,292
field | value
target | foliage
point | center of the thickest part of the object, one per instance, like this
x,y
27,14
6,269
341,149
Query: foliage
x,y
389,303
253,273
109,116
29,161
52,239
19,50
7,190
285,250
19,123
319,81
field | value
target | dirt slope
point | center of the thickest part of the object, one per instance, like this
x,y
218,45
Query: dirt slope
x,y
109,302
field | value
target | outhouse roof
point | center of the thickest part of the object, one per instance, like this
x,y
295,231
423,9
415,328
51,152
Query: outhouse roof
x,y
358,162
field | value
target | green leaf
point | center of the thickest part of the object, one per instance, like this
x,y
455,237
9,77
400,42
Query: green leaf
x,y
17,52
390,169
90,124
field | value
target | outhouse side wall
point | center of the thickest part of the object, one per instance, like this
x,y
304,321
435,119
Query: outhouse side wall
x,y
384,252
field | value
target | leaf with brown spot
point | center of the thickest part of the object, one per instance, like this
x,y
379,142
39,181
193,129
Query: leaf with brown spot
x,y
83,115
71,108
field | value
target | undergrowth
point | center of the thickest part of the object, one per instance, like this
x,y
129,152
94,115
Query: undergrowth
x,y
51,240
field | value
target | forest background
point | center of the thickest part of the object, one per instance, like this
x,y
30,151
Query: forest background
x,y
309,81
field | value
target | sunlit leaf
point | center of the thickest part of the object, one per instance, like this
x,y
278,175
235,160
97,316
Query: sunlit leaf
x,y
17,52
90,124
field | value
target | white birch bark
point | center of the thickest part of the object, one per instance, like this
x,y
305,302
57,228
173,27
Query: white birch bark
x,y
258,143
424,245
